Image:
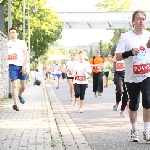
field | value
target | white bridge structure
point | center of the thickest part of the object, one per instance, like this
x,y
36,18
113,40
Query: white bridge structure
x,y
99,20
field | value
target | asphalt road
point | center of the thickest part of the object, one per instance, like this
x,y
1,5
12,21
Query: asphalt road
x,y
102,128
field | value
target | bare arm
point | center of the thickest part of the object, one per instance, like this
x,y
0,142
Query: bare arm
x,y
119,56
112,58
26,54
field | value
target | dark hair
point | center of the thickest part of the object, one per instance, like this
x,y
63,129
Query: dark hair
x,y
12,28
136,12
80,51
36,70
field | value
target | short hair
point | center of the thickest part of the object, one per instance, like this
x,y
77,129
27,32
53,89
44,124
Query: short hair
x,y
12,28
72,53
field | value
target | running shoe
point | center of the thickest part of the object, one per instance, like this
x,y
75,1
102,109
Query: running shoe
x,y
95,95
99,94
21,99
122,114
115,108
57,87
80,110
146,136
15,107
134,136
72,98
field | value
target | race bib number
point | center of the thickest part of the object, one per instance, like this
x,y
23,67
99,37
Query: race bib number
x,y
12,56
81,78
141,68
141,65
99,68
120,66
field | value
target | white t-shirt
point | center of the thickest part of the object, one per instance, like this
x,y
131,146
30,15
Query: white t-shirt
x,y
78,68
69,64
37,76
16,52
137,68
57,69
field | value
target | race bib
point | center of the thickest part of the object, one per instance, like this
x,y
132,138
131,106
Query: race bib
x,y
141,65
120,66
81,78
12,56
141,68
99,68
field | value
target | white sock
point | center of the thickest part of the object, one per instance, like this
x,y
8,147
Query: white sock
x,y
134,126
146,126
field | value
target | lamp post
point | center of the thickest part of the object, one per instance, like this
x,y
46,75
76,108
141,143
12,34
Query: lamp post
x,y
9,26
24,20
34,10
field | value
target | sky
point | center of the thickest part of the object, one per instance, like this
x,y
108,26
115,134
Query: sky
x,y
75,37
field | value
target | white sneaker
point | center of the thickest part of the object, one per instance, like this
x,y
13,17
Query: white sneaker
x,y
134,136
99,94
80,110
74,102
95,95
146,136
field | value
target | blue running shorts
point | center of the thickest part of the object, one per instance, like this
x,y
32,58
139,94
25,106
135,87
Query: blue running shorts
x,y
14,73
57,75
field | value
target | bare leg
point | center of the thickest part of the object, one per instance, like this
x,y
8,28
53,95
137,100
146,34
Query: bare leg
x,y
81,103
133,116
14,91
104,79
22,87
146,115
107,80
71,87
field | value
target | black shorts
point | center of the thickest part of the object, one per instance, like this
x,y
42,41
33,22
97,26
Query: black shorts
x,y
106,74
134,90
70,77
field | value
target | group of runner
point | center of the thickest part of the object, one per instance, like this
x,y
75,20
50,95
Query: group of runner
x,y
131,76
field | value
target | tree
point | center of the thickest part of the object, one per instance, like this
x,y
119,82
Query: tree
x,y
114,5
45,26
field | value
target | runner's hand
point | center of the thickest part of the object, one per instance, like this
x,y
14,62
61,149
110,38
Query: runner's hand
x,y
135,51
24,71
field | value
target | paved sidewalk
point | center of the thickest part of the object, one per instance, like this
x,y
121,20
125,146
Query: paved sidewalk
x,y
48,120
71,136
31,128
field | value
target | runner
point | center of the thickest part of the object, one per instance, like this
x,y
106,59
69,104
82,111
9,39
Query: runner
x,y
119,73
48,72
79,71
57,72
17,61
106,70
96,63
70,77
133,49
63,70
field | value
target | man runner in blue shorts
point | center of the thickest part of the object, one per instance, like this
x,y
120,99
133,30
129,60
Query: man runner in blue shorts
x,y
17,61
